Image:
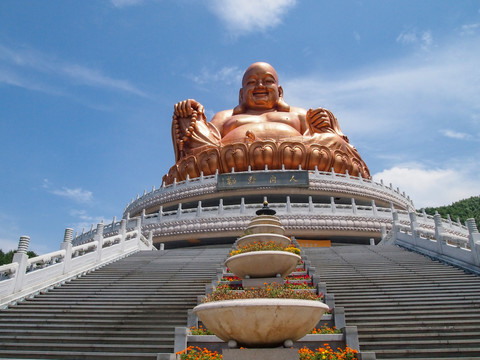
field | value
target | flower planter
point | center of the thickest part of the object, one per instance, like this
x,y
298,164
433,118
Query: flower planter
x,y
262,264
265,219
264,229
281,240
261,322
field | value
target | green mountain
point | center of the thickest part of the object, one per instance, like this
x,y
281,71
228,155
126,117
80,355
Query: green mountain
x,y
463,209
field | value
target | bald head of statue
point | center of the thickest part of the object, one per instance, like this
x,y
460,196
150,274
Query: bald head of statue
x,y
260,91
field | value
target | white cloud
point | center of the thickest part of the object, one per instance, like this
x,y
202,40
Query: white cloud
x,y
97,79
469,29
48,70
455,134
397,95
125,3
85,220
431,187
412,37
357,37
250,15
78,195
228,75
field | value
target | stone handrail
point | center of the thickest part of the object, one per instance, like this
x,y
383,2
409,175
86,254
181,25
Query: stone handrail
x,y
43,261
108,230
24,276
458,248
319,180
7,271
293,215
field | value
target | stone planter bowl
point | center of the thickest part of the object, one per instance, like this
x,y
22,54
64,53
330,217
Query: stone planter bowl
x,y
278,239
264,228
261,322
263,264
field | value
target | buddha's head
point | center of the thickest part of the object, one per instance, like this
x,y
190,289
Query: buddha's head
x,y
260,90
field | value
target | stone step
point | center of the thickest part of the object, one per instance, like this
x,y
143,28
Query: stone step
x,y
404,305
381,336
75,355
451,352
59,346
83,339
88,332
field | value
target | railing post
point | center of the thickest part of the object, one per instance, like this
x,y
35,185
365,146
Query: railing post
x,y
123,234
99,238
354,206
242,205
138,227
374,209
383,230
160,214
21,258
332,203
395,225
150,239
310,203
413,226
439,232
289,205
199,208
474,240
220,207
67,246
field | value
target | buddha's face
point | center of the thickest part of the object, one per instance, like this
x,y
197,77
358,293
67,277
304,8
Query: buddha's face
x,y
260,90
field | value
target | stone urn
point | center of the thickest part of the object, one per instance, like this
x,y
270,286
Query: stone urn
x,y
264,238
261,322
263,264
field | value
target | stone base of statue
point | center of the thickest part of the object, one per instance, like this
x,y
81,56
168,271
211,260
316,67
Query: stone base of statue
x,y
264,354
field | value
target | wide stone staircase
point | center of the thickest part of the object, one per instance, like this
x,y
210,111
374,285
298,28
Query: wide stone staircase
x,y
405,305
125,310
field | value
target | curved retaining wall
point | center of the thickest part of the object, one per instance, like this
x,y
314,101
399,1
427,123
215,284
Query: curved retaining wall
x,y
321,183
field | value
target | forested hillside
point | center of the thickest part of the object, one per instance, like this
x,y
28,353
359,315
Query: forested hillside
x,y
463,209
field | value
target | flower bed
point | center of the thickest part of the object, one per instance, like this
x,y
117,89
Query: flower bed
x,y
196,353
270,291
264,246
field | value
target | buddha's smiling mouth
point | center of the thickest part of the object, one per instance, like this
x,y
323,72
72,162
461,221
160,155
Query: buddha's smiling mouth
x,y
260,93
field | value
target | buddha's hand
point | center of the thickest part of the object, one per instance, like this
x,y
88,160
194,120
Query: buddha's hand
x,y
318,120
186,108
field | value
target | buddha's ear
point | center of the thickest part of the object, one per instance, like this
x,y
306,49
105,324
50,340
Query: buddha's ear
x,y
281,104
239,109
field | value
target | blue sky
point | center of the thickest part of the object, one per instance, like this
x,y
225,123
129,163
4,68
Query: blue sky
x,y
87,90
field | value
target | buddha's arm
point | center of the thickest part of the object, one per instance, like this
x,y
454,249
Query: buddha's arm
x,y
321,120
219,121
190,128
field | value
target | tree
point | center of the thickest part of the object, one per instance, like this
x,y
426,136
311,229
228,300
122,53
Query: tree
x,y
463,209
6,258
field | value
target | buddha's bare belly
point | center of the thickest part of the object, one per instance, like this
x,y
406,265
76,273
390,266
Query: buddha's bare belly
x,y
260,131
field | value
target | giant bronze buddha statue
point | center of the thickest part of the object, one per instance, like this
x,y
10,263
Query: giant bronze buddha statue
x,y
261,131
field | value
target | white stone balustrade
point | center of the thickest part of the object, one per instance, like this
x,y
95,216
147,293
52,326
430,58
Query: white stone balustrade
x,y
446,241
24,276
319,182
